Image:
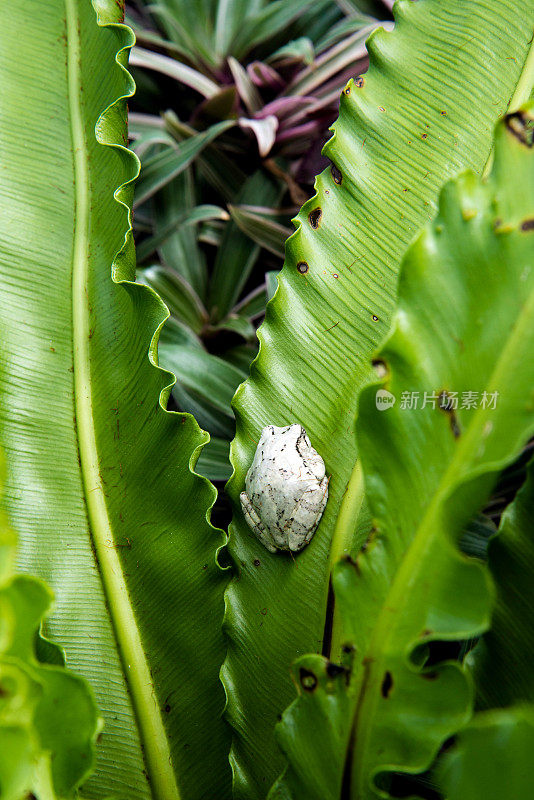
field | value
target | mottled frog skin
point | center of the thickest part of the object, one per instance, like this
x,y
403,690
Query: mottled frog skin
x,y
286,489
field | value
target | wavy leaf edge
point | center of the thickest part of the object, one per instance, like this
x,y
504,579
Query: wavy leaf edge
x,y
299,222
122,196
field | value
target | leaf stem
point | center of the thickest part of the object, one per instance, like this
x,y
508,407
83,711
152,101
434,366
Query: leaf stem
x,y
399,595
343,538
136,670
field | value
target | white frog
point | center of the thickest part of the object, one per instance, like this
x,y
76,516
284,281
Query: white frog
x,y
286,489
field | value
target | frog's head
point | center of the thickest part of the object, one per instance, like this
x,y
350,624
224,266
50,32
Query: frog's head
x,y
286,438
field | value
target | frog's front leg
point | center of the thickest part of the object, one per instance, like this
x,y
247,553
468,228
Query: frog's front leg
x,y
307,515
255,523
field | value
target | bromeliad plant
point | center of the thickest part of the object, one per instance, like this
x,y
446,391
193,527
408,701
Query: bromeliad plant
x,y
246,94
411,650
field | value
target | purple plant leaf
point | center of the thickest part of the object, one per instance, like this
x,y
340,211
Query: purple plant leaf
x,y
264,130
297,140
264,76
283,107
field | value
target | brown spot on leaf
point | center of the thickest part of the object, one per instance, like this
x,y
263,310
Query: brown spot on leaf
x,y
469,214
257,562
335,670
370,537
387,685
302,267
336,175
353,562
314,217
527,225
359,81
430,676
521,125
447,404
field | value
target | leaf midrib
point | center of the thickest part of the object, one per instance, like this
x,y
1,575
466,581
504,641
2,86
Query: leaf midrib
x,y
399,595
348,506
135,666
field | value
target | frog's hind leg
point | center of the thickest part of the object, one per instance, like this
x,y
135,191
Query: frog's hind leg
x,y
255,523
308,515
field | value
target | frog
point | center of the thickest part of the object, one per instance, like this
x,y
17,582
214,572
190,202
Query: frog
x,y
286,489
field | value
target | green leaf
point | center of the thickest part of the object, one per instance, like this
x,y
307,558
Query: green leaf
x,y
177,295
148,37
219,170
187,217
268,22
247,90
231,16
239,324
271,282
99,479
264,231
205,385
492,757
338,57
331,311
253,305
299,49
161,168
180,251
174,69
355,22
214,460
236,256
461,336
189,26
504,659
211,233
146,130
242,356
48,716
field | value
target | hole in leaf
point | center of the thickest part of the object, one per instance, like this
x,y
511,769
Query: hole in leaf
x,y
314,217
336,175
387,685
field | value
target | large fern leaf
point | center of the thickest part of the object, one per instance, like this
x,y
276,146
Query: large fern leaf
x,y
100,484
426,109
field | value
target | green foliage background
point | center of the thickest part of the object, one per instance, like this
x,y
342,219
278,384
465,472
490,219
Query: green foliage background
x,y
101,482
